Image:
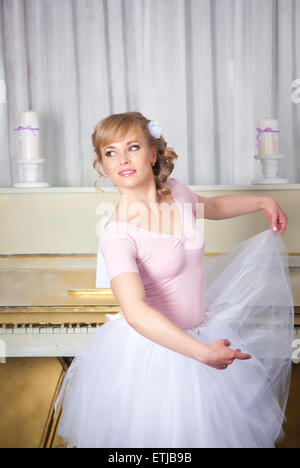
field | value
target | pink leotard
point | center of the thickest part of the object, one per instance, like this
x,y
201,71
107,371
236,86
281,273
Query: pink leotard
x,y
171,267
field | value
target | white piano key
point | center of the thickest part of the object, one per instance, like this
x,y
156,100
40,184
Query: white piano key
x,y
36,331
83,330
19,331
3,331
70,331
44,344
77,330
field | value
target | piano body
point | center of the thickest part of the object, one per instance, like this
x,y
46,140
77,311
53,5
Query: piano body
x,y
54,290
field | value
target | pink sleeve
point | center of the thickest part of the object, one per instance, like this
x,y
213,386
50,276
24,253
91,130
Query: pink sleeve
x,y
119,253
184,192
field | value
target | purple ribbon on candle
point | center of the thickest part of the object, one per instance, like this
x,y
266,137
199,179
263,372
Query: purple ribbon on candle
x,y
267,129
29,127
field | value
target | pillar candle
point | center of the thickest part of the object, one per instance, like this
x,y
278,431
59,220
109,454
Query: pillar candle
x,y
268,136
29,138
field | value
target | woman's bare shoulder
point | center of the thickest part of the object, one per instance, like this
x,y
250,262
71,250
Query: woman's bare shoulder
x,y
118,217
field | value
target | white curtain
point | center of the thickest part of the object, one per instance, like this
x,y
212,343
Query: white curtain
x,y
206,70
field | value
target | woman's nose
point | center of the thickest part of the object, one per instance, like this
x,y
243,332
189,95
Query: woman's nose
x,y
124,158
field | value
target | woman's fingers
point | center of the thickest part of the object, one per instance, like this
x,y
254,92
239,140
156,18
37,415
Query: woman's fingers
x,y
239,355
226,342
222,367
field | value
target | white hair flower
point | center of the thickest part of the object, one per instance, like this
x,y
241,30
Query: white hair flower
x,y
154,129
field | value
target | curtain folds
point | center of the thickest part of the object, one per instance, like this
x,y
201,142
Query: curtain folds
x,y
206,70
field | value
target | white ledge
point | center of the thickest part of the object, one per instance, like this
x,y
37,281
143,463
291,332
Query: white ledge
x,y
196,188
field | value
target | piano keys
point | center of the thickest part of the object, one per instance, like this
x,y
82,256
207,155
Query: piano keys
x,y
32,340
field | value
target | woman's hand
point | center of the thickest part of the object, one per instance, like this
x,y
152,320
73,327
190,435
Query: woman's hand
x,y
276,216
220,356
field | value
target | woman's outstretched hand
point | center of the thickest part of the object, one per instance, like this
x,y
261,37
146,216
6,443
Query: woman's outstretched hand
x,y
220,356
276,216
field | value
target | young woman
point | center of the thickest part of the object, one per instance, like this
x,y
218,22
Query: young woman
x,y
200,354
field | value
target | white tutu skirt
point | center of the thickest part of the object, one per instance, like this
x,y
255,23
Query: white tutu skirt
x,y
124,390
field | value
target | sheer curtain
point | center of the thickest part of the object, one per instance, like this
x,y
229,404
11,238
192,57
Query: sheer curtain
x,y
206,70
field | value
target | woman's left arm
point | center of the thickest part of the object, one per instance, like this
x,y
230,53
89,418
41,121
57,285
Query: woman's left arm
x,y
230,206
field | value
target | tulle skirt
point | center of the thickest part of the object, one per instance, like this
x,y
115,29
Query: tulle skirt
x,y
124,390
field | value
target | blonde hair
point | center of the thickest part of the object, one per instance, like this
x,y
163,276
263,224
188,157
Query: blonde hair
x,y
115,127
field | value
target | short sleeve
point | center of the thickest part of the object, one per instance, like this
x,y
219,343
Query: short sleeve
x,y
120,254
183,192
192,197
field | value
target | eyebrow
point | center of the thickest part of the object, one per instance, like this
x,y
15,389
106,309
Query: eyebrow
x,y
128,142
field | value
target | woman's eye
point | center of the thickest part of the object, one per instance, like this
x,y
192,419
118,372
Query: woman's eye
x,y
132,146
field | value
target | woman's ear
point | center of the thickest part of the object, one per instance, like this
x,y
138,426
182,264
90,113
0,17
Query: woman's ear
x,y
154,154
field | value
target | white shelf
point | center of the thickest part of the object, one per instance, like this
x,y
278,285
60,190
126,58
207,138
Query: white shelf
x,y
200,188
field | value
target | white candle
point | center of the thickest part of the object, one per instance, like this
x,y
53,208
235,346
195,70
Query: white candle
x,y
268,136
29,137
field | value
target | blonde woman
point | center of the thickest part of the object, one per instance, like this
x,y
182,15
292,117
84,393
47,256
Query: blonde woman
x,y
200,355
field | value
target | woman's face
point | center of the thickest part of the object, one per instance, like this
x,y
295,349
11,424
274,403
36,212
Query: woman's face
x,y
132,153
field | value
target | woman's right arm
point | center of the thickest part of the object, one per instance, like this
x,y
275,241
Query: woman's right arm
x,y
130,294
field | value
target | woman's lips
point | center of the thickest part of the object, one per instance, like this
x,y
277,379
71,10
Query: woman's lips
x,y
127,174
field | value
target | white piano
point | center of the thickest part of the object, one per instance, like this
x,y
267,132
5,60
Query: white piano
x,y
57,320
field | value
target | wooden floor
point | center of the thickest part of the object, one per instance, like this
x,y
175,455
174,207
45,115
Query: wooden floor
x,y
292,425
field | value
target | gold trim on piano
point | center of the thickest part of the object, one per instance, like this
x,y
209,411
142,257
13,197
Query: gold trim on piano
x,y
91,292
66,315
57,314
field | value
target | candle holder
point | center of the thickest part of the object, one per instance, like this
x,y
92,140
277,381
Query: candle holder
x,y
267,143
270,169
29,173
